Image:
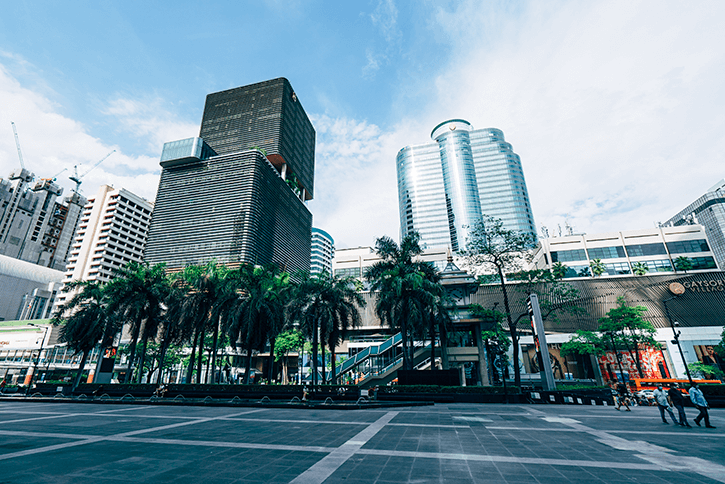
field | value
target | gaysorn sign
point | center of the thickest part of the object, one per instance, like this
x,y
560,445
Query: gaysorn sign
x,y
715,285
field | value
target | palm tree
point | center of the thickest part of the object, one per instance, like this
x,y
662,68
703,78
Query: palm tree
x,y
259,313
327,306
598,267
640,268
407,290
136,294
206,292
87,321
683,264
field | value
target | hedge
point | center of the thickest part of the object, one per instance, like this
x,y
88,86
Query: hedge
x,y
442,389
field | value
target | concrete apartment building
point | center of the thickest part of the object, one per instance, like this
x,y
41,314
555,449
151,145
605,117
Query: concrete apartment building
x,y
111,233
655,248
36,225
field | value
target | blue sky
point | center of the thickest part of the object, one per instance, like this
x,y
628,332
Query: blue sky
x,y
616,108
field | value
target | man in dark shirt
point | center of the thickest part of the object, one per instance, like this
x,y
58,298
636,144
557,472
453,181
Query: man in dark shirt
x,y
677,401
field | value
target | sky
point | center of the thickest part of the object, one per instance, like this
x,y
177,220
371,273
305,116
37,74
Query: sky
x,y
616,108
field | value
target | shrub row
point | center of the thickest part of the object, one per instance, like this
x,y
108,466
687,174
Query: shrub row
x,y
442,389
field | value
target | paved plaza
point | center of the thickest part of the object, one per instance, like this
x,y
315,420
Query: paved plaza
x,y
457,443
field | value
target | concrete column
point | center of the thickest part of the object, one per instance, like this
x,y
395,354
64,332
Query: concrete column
x,y
482,366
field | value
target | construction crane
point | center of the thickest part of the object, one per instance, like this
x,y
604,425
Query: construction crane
x,y
17,143
77,179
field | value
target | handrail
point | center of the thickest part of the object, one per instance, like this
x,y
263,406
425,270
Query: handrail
x,y
366,353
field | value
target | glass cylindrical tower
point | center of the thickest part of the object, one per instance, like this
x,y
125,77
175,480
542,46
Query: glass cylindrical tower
x,y
459,179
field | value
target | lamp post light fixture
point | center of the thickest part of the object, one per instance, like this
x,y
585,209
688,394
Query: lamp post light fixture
x,y
37,360
676,333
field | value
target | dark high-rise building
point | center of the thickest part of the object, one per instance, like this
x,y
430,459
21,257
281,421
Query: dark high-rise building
x,y
237,193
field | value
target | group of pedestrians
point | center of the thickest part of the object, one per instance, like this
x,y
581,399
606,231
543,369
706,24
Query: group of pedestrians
x,y
665,400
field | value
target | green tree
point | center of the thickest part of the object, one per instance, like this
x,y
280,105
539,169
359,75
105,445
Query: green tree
x,y
583,343
201,289
491,245
640,268
683,264
626,325
597,267
259,313
326,308
285,343
136,294
84,321
559,270
701,370
407,290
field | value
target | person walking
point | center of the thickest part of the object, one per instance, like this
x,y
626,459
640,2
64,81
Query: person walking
x,y
622,400
678,401
662,403
698,399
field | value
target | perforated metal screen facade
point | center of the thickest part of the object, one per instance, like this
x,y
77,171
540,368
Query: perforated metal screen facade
x,y
265,115
232,208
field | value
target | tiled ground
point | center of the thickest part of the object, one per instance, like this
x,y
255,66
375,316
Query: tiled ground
x,y
86,443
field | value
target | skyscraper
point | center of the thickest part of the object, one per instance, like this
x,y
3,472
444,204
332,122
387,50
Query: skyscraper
x,y
35,225
322,252
709,211
447,185
237,193
111,233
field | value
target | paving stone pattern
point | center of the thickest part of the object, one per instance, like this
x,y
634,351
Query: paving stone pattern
x,y
458,443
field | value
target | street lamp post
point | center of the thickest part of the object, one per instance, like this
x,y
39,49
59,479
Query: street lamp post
x,y
37,360
676,333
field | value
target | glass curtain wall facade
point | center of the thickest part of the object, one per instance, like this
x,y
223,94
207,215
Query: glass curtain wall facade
x,y
708,211
446,186
322,252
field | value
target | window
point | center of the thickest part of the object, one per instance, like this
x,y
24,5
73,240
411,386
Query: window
x,y
606,252
656,265
617,268
703,263
646,249
688,246
568,255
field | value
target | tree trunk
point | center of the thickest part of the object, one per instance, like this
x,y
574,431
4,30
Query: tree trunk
x,y
214,350
322,347
315,340
162,351
285,376
143,360
132,353
333,377
270,373
444,347
512,330
432,347
200,357
81,366
248,364
190,369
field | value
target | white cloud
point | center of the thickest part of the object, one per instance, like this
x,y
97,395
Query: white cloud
x,y
385,18
615,108
54,144
149,120
356,198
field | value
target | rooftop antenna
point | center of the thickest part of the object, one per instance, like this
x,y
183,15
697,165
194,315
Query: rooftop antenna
x,y
544,232
17,143
77,179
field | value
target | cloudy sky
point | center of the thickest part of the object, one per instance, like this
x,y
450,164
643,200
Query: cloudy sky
x,y
616,108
